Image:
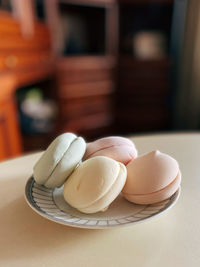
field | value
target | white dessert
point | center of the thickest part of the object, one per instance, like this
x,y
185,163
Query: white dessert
x,y
59,160
95,184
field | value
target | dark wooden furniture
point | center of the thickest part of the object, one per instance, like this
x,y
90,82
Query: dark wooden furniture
x,y
85,88
86,76
93,80
25,58
144,89
142,95
101,87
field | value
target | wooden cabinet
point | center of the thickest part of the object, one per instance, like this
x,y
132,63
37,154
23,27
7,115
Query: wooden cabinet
x,y
18,51
85,91
85,46
10,144
25,58
10,141
143,95
137,89
144,89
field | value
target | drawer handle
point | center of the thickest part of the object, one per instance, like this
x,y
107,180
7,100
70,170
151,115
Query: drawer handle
x,y
11,61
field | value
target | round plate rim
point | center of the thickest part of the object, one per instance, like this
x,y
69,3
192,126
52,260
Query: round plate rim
x,y
71,224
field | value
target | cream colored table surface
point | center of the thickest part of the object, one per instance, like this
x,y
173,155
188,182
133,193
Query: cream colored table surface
x,y
172,239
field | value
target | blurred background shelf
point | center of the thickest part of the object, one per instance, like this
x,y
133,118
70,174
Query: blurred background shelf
x,y
105,64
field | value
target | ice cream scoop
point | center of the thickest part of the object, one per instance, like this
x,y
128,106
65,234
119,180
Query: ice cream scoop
x,y
118,148
151,178
59,160
95,184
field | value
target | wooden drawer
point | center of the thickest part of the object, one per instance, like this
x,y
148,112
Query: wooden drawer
x,y
142,119
142,101
147,72
144,89
80,107
21,60
131,63
91,122
145,78
148,113
82,76
87,63
85,89
143,72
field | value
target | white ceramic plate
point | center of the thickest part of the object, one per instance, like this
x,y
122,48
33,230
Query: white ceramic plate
x,y
51,205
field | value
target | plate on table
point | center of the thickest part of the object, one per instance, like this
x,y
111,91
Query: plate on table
x,y
51,205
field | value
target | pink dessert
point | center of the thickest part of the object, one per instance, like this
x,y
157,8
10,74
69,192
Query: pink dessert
x,y
151,178
118,148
